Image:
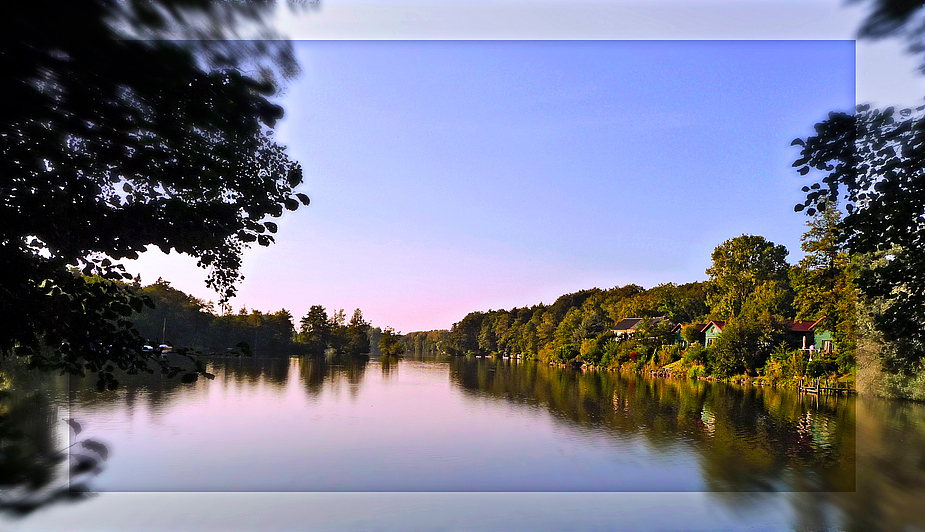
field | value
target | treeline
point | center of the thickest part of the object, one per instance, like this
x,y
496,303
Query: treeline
x,y
181,320
576,328
751,289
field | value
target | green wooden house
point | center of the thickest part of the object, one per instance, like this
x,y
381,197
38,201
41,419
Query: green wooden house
x,y
810,336
679,339
711,331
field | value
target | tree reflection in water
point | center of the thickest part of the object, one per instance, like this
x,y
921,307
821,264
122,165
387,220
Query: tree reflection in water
x,y
37,465
748,439
855,464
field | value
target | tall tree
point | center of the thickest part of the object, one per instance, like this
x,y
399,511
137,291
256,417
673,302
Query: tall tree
x,y
337,330
111,144
390,343
823,282
740,266
357,334
315,330
873,163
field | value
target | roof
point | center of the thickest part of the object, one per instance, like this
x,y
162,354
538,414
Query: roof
x,y
699,326
805,325
627,324
719,325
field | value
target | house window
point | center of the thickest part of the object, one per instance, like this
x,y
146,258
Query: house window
x,y
710,340
827,346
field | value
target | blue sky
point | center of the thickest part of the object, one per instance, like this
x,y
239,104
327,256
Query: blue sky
x,y
451,176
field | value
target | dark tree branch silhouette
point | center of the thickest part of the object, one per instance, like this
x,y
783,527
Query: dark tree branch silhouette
x,y
110,144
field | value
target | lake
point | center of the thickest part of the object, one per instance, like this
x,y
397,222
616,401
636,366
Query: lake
x,y
484,444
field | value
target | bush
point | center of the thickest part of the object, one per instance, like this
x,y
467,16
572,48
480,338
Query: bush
x,y
668,354
774,370
696,371
821,367
738,349
691,334
591,352
694,354
798,363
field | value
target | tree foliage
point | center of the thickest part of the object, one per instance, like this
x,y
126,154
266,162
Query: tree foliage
x,y
111,144
823,283
740,266
358,334
390,343
315,330
896,18
736,350
873,163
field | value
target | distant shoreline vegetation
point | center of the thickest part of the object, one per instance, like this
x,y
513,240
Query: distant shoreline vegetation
x,y
766,310
756,319
180,320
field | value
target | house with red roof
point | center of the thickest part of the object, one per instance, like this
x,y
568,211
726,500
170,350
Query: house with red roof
x,y
810,336
711,331
679,339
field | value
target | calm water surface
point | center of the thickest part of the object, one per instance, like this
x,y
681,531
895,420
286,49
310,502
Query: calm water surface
x,y
479,444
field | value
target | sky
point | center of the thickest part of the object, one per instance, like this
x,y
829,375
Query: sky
x,y
463,174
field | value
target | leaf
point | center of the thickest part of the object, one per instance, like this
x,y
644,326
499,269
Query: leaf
x,y
798,207
84,464
804,170
797,142
294,177
291,204
271,227
303,198
96,447
74,425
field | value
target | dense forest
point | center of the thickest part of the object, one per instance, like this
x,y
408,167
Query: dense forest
x,y
751,290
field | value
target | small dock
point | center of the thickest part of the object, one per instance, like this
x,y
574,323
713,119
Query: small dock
x,y
817,387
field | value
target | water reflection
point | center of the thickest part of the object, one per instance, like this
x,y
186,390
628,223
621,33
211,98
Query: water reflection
x,y
840,462
748,439
37,466
315,373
